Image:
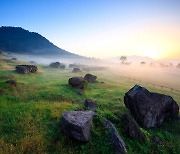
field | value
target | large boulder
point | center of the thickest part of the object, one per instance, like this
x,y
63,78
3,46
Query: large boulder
x,y
55,65
77,82
76,70
115,139
90,104
77,124
150,109
24,69
90,78
131,128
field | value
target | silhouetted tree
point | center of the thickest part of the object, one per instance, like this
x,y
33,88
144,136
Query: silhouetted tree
x,y
123,59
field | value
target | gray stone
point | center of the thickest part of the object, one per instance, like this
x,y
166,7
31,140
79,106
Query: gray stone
x,y
90,78
90,104
76,70
24,69
150,109
115,138
77,82
11,82
55,65
131,128
77,124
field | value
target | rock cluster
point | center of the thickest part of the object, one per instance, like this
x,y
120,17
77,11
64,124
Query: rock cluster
x,y
24,69
57,65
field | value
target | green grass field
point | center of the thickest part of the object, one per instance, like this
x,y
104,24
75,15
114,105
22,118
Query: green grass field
x,y
30,113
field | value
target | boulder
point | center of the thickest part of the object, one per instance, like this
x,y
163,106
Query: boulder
x,y
55,65
62,66
77,124
11,82
24,69
32,62
85,69
77,82
115,139
150,109
89,103
131,128
72,65
13,58
76,70
90,78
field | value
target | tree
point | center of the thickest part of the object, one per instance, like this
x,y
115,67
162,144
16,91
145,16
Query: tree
x,y
123,59
178,65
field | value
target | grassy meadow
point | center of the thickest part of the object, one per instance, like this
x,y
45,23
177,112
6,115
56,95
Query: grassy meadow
x,y
30,113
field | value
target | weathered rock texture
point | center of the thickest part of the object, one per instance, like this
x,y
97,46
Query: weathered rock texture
x,y
131,128
150,109
11,82
90,78
115,139
77,124
89,103
55,65
76,70
77,82
24,69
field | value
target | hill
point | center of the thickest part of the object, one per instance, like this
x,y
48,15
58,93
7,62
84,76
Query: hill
x,y
19,40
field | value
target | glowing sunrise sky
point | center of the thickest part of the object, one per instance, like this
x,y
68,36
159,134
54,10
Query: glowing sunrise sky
x,y
101,28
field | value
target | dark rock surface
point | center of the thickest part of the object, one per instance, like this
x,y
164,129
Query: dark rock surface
x,y
77,82
157,140
150,109
89,103
77,124
24,69
11,82
62,66
115,139
13,58
131,128
76,70
90,78
55,65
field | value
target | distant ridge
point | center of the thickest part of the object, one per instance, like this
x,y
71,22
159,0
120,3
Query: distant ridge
x,y
19,40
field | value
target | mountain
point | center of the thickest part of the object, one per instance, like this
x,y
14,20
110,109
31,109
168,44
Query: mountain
x,y
19,40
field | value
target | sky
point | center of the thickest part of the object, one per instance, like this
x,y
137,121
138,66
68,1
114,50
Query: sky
x,y
101,28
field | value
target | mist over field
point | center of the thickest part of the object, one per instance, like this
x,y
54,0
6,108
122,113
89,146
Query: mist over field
x,y
89,77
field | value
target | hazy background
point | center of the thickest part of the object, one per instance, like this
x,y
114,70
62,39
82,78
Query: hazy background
x,y
103,28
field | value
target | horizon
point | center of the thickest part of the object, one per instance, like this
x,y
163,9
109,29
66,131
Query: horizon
x,y
101,29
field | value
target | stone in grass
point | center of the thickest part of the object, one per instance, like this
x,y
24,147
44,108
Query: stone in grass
x,y
24,69
11,82
131,128
115,138
76,70
90,78
90,104
150,109
77,124
55,65
77,82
